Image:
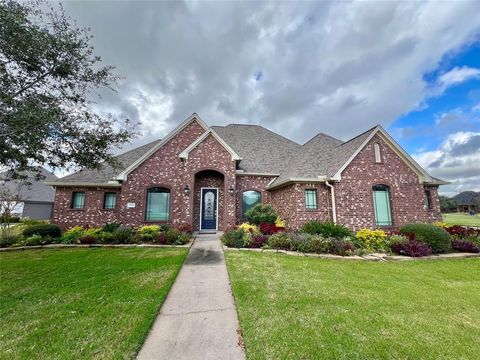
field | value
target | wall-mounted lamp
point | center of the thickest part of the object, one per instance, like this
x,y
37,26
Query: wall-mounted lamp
x,y
231,190
186,189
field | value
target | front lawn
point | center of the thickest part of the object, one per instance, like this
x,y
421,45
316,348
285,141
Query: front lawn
x,y
461,219
306,308
82,303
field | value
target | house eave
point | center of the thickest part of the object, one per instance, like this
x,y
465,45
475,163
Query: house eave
x,y
283,183
253,173
83,184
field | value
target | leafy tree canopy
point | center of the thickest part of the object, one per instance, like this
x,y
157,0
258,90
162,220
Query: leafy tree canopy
x,y
48,78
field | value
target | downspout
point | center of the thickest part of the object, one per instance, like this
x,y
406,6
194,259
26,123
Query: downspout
x,y
332,193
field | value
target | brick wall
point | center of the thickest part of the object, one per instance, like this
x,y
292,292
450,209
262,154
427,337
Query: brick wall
x,y
247,183
354,196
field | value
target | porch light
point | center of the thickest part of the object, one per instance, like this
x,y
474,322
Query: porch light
x,y
186,189
231,190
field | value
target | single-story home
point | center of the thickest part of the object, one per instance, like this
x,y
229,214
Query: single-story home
x,y
209,176
468,201
30,197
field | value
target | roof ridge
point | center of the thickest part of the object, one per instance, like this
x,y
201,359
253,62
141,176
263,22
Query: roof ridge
x,y
363,133
323,134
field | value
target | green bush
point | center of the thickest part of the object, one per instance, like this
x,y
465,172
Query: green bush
x,y
33,240
326,229
43,230
234,238
111,227
122,235
8,240
148,232
318,244
72,235
261,214
9,219
435,237
281,240
27,221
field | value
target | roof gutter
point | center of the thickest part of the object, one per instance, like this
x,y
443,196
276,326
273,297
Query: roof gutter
x,y
83,184
332,194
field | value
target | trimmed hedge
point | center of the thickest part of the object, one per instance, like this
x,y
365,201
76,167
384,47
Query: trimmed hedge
x,y
437,238
43,230
261,214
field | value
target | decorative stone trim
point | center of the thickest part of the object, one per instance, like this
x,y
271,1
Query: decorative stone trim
x,y
64,246
368,257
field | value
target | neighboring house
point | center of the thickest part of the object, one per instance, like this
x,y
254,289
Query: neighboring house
x,y
33,199
467,201
208,177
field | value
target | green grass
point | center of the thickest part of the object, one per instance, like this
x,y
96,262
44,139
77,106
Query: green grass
x,y
306,308
82,303
461,219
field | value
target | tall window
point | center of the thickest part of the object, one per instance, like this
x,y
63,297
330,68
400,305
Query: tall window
x,y
378,155
311,199
110,200
383,211
249,200
78,200
158,204
428,199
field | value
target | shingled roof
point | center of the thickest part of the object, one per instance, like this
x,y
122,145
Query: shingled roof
x,y
33,190
261,152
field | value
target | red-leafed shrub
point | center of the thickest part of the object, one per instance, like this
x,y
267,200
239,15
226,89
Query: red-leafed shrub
x,y
465,246
87,240
160,238
258,241
269,229
462,231
411,248
184,227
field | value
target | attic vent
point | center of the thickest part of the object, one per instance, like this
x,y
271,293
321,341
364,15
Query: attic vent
x,y
378,155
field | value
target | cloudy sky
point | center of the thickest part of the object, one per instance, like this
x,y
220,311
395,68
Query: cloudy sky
x,y
299,68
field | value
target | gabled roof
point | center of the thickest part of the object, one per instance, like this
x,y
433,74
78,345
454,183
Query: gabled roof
x,y
184,154
262,151
467,198
35,190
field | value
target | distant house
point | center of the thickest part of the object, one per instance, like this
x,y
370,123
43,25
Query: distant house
x,y
33,200
468,201
208,177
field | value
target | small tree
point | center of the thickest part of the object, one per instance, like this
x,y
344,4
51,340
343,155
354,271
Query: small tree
x,y
10,200
261,214
49,77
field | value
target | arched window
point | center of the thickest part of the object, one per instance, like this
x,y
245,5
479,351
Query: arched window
x,y
158,204
381,200
249,200
378,155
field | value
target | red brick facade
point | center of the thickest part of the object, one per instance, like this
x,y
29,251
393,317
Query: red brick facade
x,y
210,164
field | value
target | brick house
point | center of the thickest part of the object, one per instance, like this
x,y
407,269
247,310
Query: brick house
x,y
208,177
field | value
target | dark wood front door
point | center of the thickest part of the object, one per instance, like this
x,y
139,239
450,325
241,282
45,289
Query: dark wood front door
x,y
208,213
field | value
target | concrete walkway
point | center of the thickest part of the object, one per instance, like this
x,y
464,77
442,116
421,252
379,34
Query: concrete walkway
x,y
198,319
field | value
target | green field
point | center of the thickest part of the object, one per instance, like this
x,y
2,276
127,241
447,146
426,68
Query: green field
x,y
461,219
306,308
82,303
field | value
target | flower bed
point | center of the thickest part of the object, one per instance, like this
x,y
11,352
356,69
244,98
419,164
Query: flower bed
x,y
413,240
112,233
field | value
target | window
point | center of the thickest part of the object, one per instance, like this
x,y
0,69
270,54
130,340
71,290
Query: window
x,y
310,199
249,200
428,199
78,200
381,199
378,155
110,200
158,204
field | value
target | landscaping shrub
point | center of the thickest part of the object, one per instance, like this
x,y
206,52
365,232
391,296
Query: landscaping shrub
x,y
8,240
33,240
372,240
258,241
281,240
160,238
465,246
269,229
175,237
9,219
72,235
460,232
122,235
87,240
148,232
343,247
299,242
43,230
249,228
411,248
185,228
27,221
234,238
111,227
435,237
261,214
279,222
309,243
326,229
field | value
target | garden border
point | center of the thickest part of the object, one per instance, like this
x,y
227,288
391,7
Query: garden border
x,y
369,257
60,246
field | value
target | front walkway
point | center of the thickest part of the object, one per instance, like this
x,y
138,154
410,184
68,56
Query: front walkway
x,y
198,319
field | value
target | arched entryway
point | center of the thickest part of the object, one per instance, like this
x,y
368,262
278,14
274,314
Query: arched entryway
x,y
209,201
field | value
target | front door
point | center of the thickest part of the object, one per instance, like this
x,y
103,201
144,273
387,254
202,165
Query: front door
x,y
208,211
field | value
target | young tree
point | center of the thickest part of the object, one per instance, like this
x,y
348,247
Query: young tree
x,y
49,76
10,201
